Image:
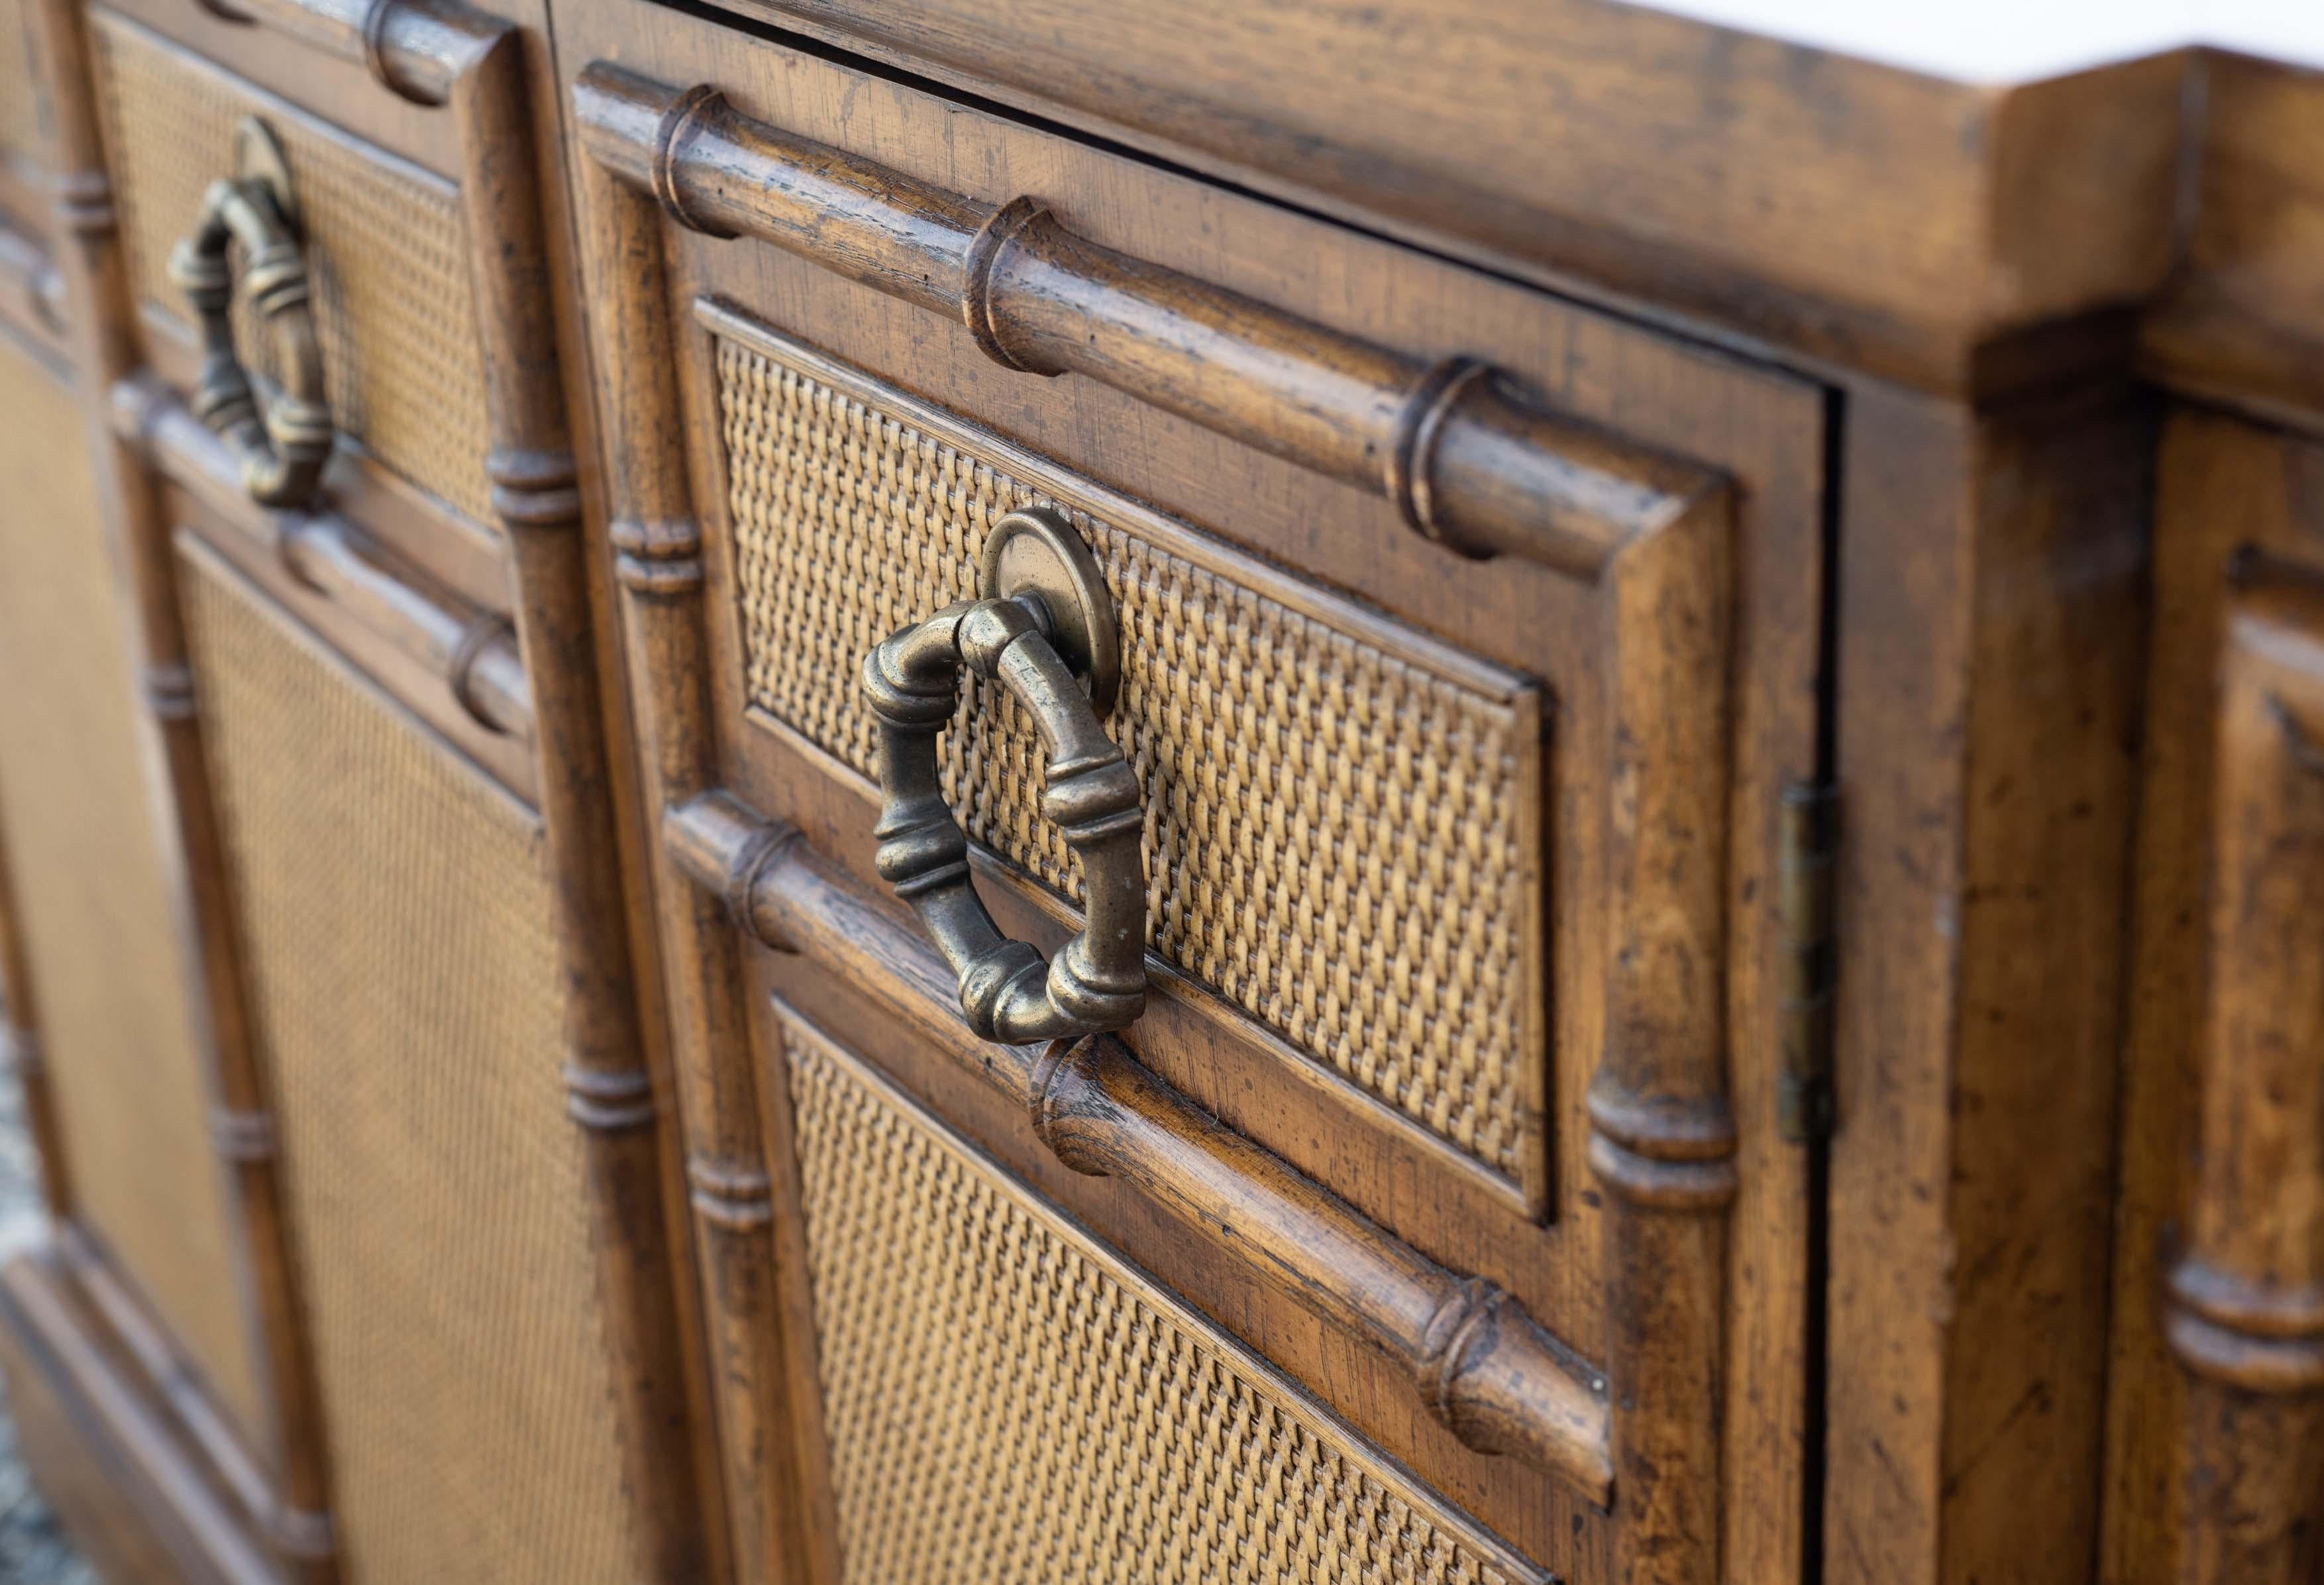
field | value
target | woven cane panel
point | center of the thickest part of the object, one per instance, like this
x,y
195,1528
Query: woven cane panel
x,y
1007,1402
409,1008
1334,834
91,894
386,247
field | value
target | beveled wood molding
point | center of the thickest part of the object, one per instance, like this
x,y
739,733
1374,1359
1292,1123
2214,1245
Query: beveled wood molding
x,y
2243,1306
473,654
1483,1366
1469,461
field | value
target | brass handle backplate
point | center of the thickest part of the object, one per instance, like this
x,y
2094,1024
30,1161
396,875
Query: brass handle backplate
x,y
1045,616
283,444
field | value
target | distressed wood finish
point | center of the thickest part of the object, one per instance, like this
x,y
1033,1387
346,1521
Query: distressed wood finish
x,y
472,66
1477,1360
2244,1307
101,314
1467,461
768,1479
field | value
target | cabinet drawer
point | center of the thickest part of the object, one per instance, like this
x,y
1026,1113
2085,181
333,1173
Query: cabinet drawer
x,y
421,321
1458,845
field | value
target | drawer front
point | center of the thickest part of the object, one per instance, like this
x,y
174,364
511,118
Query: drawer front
x,y
1092,1427
386,244
1278,732
110,990
401,943
1463,1016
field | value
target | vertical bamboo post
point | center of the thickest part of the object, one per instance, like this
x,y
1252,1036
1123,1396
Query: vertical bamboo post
x,y
2245,1306
102,310
658,566
536,496
1661,1136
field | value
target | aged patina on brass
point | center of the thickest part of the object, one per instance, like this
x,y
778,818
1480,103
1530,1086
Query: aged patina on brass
x,y
282,443
1046,617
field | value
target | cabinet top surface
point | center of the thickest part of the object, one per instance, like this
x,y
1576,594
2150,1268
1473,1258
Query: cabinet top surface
x,y
2007,40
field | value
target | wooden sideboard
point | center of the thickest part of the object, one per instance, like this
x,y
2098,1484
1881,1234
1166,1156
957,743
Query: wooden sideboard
x,y
794,790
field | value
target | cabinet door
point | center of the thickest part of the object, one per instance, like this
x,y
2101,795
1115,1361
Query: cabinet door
x,y
334,361
103,993
1450,1099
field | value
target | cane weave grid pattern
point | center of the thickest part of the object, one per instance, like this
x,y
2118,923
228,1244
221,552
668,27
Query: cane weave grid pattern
x,y
1006,1402
1331,832
110,988
409,1008
386,251
19,125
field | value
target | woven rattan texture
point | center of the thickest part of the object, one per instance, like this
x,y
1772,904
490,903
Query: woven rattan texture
x,y
114,997
386,248
19,125
1007,1402
1331,832
409,1007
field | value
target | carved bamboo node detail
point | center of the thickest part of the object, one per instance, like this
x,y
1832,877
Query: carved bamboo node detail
x,y
480,635
534,488
739,1198
750,861
1674,1158
242,1136
609,1102
670,137
170,691
657,559
1007,223
375,46
84,203
304,1534
1412,459
2261,1338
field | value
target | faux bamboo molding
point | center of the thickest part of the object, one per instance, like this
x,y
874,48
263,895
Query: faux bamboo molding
x,y
474,653
1482,1366
440,54
101,313
769,1439
1468,461
2244,1304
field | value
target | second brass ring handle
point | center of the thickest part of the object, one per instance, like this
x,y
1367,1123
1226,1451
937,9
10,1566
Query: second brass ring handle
x,y
283,444
1097,982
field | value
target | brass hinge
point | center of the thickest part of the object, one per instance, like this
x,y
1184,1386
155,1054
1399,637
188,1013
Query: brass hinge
x,y
1810,841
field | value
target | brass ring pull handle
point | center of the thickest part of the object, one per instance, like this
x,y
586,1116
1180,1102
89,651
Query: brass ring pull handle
x,y
281,445
1045,616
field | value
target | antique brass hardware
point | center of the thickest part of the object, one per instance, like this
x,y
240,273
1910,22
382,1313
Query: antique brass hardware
x,y
1046,630
282,444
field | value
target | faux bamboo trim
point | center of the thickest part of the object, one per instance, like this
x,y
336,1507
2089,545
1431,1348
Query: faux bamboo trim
x,y
474,653
1483,1366
101,316
2242,1307
1468,461
769,1439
